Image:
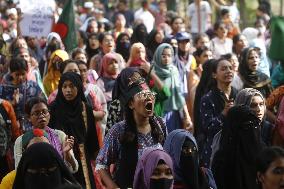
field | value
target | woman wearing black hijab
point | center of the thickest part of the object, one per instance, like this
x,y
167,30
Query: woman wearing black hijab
x,y
155,38
204,86
139,34
123,45
249,74
92,46
71,114
234,163
41,167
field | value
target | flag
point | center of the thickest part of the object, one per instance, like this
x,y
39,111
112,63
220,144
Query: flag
x,y
277,38
65,26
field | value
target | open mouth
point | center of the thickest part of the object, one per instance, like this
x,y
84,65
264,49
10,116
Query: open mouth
x,y
149,106
42,121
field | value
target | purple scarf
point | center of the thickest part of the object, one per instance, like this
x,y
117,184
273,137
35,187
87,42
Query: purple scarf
x,y
54,140
146,165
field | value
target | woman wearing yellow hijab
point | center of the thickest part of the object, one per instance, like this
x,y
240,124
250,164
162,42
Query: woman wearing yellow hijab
x,y
51,79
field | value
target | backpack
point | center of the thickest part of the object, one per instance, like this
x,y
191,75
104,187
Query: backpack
x,y
5,131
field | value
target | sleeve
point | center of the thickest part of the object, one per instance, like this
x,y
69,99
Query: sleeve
x,y
109,153
8,180
95,102
52,97
211,123
275,97
16,132
18,150
189,11
62,136
163,94
208,8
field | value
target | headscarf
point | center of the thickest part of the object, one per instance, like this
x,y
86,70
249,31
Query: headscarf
x,y
39,156
152,44
127,84
140,34
51,79
244,97
146,165
170,75
204,86
252,79
122,47
173,146
75,118
52,35
91,52
234,164
105,61
70,112
133,61
29,135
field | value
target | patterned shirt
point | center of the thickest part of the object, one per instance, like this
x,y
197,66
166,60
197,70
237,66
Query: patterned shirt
x,y
212,123
110,153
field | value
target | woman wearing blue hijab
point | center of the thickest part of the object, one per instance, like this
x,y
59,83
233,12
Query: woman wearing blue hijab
x,y
182,147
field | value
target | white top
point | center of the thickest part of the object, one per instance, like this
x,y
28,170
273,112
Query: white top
x,y
146,17
219,47
18,150
205,14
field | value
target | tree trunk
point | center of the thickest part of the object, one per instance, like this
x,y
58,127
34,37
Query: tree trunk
x,y
243,13
281,7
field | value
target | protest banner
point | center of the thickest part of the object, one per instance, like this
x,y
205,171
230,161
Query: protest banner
x,y
37,17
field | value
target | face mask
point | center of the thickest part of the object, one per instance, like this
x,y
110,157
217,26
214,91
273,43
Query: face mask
x,y
43,180
189,164
125,45
54,46
161,183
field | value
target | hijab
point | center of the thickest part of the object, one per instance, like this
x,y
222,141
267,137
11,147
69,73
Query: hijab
x,y
186,167
51,79
41,156
146,165
105,63
123,48
127,85
170,75
252,79
139,34
234,164
91,52
152,44
244,97
70,112
29,135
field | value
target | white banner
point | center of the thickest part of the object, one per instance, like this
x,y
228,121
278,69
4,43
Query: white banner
x,y
37,17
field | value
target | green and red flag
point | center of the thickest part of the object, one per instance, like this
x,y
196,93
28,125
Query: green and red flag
x,y
65,26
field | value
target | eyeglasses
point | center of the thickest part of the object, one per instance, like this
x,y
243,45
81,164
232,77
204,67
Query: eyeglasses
x,y
146,95
39,113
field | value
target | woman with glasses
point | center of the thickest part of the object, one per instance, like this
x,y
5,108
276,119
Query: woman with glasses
x,y
38,114
126,140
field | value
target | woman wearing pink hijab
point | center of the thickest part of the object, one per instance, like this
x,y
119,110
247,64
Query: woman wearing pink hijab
x,y
154,170
108,74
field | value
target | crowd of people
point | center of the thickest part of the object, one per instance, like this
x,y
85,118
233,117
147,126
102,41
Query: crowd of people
x,y
148,100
